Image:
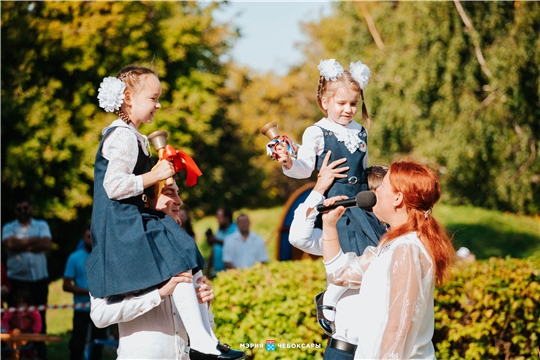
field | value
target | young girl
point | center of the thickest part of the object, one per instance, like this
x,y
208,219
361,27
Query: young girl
x,y
392,317
133,251
338,94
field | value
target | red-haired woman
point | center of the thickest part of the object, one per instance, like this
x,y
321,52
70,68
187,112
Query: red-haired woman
x,y
393,315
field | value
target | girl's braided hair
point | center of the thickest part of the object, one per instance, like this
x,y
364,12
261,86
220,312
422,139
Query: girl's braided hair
x,y
131,76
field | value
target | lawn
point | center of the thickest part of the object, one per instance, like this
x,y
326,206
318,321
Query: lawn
x,y
486,233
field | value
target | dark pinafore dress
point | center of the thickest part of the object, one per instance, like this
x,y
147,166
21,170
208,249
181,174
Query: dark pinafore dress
x,y
133,250
357,228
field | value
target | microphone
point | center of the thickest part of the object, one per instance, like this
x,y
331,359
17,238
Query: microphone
x,y
364,200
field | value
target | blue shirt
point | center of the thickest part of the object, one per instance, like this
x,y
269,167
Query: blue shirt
x,y
27,265
75,270
219,265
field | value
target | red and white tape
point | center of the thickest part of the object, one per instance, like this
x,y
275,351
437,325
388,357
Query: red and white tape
x,y
84,305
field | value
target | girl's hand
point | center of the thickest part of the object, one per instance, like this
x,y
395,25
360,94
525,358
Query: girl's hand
x,y
331,217
328,173
204,290
283,157
163,170
168,288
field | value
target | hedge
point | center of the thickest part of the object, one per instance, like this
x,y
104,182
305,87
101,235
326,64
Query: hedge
x,y
487,310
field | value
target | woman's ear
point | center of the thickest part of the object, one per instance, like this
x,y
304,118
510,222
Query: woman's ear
x,y
398,200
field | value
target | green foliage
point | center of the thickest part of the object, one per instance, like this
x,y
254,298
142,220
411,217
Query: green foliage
x,y
488,309
270,302
430,99
59,53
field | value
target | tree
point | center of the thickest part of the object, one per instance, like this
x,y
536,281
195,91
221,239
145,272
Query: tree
x,y
55,56
432,98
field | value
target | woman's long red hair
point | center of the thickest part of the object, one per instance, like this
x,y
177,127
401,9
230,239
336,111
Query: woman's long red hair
x,y
421,190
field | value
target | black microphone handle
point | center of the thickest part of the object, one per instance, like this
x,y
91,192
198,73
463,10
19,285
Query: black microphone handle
x,y
347,203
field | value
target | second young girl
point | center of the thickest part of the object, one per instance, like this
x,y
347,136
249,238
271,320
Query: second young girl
x,y
133,251
338,96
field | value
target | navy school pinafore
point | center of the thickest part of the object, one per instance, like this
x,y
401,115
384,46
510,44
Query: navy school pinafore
x,y
357,228
133,250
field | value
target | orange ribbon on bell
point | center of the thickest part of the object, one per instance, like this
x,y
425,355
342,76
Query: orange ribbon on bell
x,y
181,161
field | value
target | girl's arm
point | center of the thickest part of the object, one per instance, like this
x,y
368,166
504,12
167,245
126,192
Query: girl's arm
x,y
408,300
121,148
312,145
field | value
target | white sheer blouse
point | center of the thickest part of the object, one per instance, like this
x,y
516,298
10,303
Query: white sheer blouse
x,y
313,145
121,149
393,315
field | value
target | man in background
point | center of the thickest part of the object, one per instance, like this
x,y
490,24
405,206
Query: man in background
x,y
26,240
226,228
244,248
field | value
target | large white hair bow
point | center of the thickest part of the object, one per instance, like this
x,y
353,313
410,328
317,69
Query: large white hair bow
x,y
361,73
330,69
111,94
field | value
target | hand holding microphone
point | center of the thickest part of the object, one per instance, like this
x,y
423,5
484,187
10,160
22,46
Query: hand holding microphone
x,y
364,200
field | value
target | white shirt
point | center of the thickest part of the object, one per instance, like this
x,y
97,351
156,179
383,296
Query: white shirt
x,y
27,265
243,254
385,326
121,148
313,146
302,233
149,327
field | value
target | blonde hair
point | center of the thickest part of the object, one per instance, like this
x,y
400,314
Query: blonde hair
x,y
131,76
327,88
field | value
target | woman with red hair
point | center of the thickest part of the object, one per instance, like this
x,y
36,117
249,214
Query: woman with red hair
x,y
394,312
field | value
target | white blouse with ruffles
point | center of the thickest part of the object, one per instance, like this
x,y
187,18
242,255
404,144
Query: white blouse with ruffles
x,y
393,315
313,146
121,149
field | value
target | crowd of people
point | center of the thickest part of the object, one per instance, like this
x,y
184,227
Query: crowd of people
x,y
139,266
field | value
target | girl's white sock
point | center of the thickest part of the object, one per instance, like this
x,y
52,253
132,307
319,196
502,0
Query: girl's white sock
x,y
186,302
331,297
205,310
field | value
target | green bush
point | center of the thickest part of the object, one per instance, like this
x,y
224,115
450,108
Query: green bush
x,y
487,310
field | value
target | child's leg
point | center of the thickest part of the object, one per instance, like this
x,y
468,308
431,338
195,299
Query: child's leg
x,y
331,297
205,310
186,302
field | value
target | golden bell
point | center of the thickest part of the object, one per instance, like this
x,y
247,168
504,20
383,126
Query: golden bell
x,y
270,130
158,139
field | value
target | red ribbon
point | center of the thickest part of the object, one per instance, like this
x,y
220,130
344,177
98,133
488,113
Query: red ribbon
x,y
181,161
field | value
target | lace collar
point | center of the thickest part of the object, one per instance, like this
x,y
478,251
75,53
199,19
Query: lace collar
x,y
347,134
143,140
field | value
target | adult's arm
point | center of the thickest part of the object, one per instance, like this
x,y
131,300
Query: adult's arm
x,y
302,233
69,286
113,310
39,243
410,275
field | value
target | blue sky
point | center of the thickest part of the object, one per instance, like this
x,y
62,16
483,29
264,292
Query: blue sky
x,y
269,31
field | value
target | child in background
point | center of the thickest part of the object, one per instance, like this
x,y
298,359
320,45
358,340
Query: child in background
x,y
133,250
27,321
338,95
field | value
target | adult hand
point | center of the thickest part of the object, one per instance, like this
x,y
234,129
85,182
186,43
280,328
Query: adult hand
x,y
329,172
331,217
169,286
205,293
283,157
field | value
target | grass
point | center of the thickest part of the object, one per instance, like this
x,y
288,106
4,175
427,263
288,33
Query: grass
x,y
486,233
